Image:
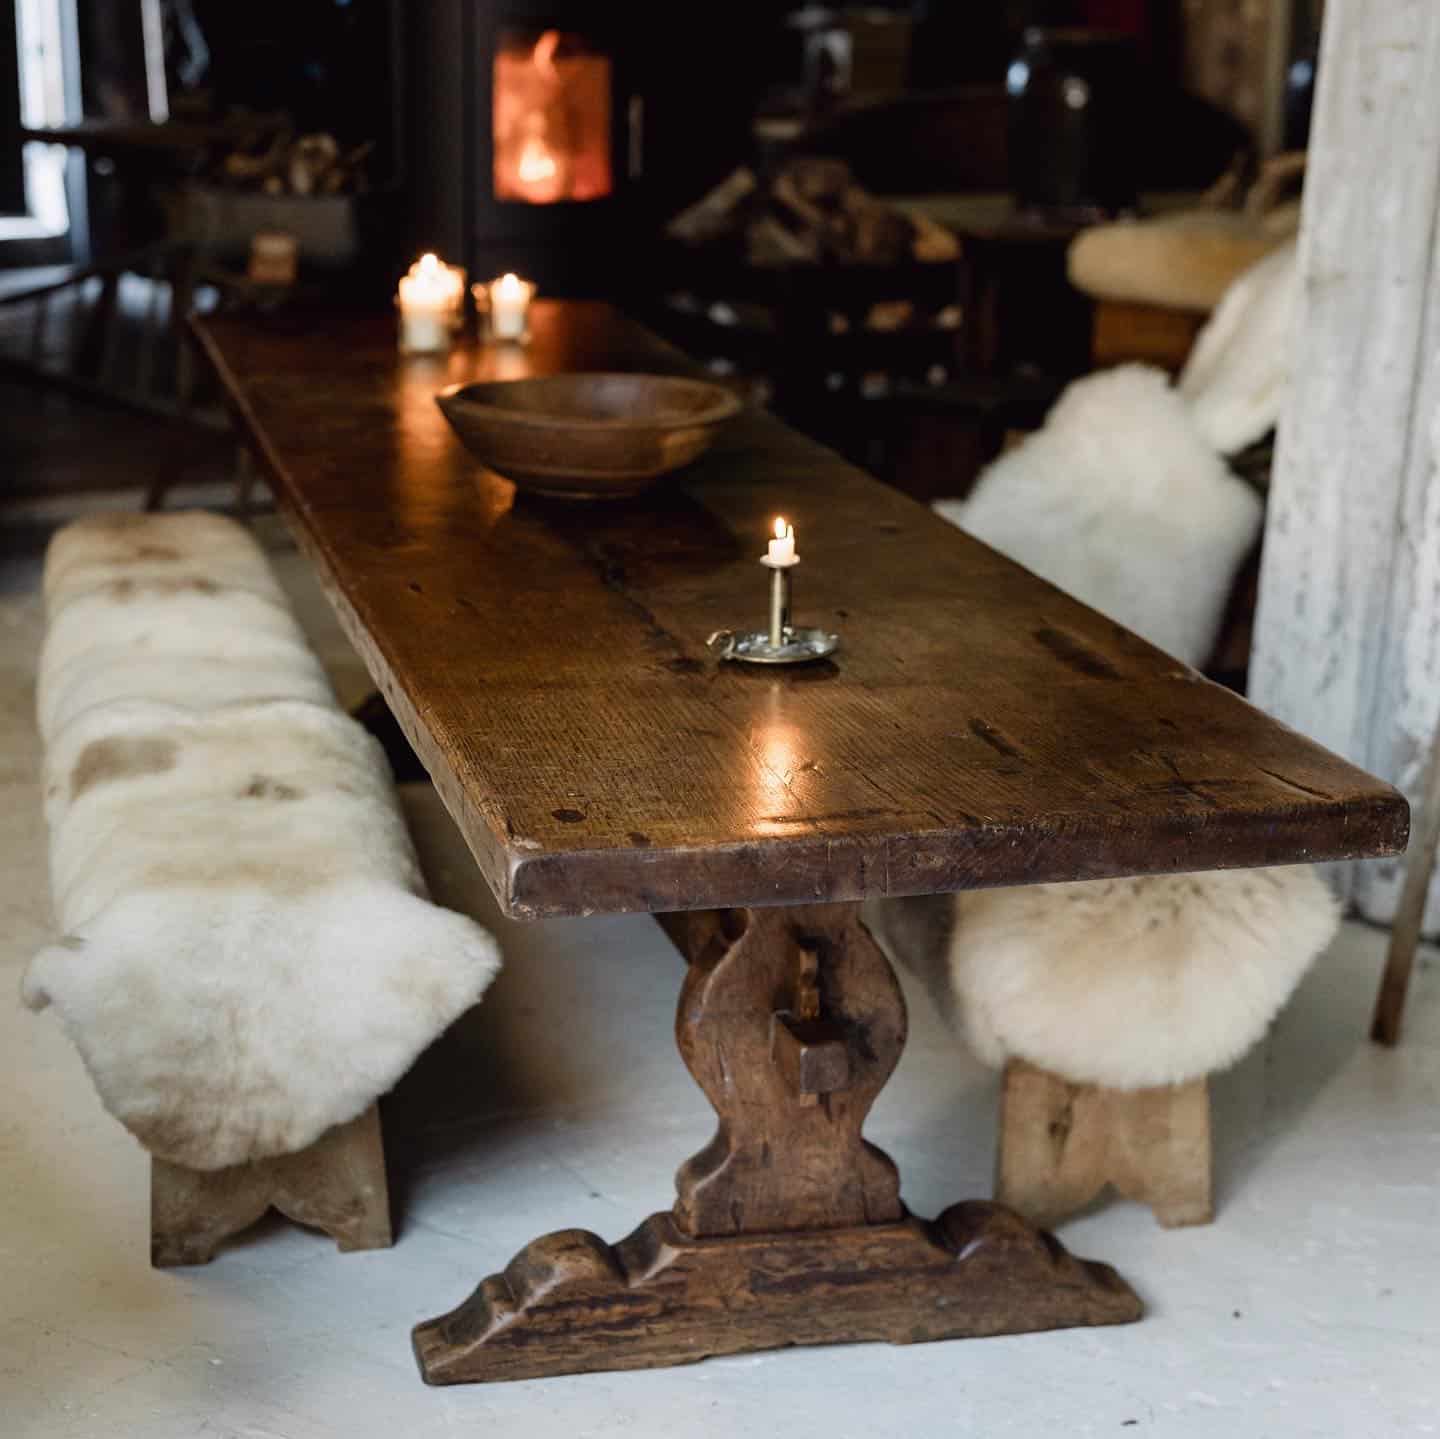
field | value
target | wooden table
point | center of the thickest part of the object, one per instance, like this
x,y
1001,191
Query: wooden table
x,y
549,664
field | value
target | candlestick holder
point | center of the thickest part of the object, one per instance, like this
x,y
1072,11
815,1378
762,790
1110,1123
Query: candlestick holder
x,y
782,643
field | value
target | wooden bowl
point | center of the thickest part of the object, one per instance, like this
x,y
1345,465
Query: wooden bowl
x,y
587,436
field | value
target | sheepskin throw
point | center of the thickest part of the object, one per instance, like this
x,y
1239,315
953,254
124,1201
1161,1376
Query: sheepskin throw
x,y
1239,368
248,956
1184,260
1134,983
178,608
1121,501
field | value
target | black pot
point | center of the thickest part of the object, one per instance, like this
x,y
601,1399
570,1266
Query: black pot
x,y
1074,114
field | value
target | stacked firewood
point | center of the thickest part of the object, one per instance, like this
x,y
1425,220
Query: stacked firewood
x,y
809,212
287,164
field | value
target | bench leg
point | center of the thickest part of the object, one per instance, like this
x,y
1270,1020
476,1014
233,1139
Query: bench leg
x,y
336,1185
1062,1143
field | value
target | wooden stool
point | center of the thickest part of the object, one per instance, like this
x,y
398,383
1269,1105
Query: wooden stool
x,y
1061,1144
1107,1004
338,1185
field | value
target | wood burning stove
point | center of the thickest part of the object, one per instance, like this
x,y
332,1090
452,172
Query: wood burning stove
x,y
558,159
552,137
528,137
552,94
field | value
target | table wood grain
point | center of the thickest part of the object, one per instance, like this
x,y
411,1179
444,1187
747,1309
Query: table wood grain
x,y
549,662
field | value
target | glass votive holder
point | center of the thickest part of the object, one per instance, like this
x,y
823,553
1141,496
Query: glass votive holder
x,y
503,308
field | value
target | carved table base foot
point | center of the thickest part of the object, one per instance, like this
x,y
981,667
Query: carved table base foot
x,y
788,1226
569,1303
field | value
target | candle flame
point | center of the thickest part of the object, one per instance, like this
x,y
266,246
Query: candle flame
x,y
781,528
430,282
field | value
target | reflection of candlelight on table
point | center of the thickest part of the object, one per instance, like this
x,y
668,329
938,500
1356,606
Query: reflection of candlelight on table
x,y
778,761
777,743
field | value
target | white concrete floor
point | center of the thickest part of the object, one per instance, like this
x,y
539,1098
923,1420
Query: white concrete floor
x,y
1310,1307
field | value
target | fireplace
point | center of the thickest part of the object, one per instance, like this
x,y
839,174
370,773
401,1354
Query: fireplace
x,y
553,91
553,137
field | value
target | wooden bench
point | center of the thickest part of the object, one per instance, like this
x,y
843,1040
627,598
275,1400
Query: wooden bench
x,y
248,957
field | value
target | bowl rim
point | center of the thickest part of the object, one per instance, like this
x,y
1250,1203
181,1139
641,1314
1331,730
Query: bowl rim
x,y
725,404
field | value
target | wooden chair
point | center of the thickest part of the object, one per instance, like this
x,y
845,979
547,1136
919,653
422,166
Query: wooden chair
x,y
139,361
85,341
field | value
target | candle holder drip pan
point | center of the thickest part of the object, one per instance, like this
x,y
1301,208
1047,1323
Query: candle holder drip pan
x,y
797,646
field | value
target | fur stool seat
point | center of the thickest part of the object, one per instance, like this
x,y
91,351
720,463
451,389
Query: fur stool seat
x,y
1109,1002
248,957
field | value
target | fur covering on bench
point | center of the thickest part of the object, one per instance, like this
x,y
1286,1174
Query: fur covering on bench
x,y
1134,983
178,608
248,956
201,650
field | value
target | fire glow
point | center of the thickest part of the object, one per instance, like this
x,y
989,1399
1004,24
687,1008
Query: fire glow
x,y
551,119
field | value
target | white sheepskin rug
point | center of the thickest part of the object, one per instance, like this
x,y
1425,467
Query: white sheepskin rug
x,y
248,955
1120,501
199,651
178,608
181,549
1238,373
1135,983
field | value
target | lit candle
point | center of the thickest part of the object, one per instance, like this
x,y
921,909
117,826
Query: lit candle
x,y
456,274
509,298
782,546
779,559
429,299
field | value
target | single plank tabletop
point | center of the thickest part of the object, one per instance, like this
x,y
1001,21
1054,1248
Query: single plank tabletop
x,y
548,660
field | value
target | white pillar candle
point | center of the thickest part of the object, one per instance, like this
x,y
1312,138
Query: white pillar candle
x,y
456,282
429,298
510,298
782,547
